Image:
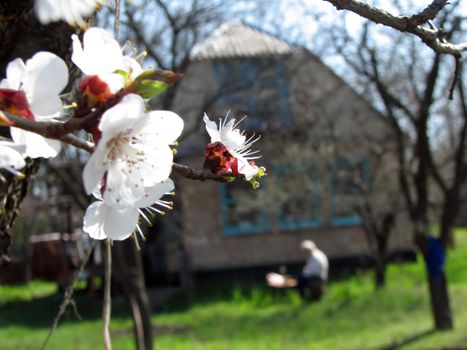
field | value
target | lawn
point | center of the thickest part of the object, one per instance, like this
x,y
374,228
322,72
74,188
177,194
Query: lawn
x,y
352,316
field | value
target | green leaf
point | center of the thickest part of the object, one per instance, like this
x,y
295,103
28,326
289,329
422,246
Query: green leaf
x,y
154,82
149,89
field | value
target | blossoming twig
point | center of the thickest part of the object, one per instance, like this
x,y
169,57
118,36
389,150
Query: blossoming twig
x,y
57,131
53,130
201,175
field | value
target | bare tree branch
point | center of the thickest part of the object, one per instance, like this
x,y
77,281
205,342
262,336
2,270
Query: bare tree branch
x,y
428,13
140,38
433,38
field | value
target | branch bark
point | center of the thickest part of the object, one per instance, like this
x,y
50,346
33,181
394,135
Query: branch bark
x,y
433,38
200,175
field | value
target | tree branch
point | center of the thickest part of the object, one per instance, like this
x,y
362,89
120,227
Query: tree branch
x,y
53,130
201,175
62,130
433,38
139,36
429,13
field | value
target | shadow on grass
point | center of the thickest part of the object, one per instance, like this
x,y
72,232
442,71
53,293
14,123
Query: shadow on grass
x,y
406,341
39,312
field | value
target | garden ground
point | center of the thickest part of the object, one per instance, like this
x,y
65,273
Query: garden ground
x,y
351,316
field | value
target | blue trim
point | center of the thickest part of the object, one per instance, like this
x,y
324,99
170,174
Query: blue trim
x,y
262,227
351,219
308,223
247,76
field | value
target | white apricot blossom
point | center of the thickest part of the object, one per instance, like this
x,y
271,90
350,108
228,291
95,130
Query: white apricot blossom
x,y
41,78
100,54
70,11
11,157
103,221
236,143
133,152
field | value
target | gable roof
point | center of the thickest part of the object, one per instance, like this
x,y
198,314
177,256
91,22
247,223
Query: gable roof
x,y
237,39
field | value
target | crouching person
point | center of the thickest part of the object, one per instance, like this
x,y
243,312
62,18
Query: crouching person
x,y
311,283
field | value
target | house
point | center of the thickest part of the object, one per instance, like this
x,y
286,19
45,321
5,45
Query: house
x,y
314,127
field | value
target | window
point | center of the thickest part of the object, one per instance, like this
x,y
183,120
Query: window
x,y
346,176
243,209
299,197
256,87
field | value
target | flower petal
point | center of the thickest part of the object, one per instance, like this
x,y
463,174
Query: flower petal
x,y
71,11
121,223
103,221
154,193
159,126
122,116
10,156
46,105
211,128
45,72
14,75
36,145
94,169
120,190
157,165
245,168
230,137
99,55
93,220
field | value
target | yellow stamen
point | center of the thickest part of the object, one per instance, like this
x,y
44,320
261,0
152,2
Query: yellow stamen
x,y
142,54
72,105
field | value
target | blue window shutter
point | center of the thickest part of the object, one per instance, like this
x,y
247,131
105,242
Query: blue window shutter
x,y
314,220
231,228
349,219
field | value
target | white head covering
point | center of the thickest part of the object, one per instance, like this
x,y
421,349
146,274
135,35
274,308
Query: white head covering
x,y
307,244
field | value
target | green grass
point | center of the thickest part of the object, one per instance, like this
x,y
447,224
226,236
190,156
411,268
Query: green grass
x,y
33,290
351,316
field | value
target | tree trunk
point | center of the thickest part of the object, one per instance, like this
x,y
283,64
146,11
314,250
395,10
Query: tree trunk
x,y
434,257
13,196
439,298
380,273
129,274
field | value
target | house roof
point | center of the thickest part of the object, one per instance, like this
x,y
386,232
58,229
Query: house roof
x,y
237,39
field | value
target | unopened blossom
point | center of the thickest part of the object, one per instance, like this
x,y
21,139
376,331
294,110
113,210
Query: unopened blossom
x,y
40,80
103,221
100,55
133,152
229,151
70,11
11,157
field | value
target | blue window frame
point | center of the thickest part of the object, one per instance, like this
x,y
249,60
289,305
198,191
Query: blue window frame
x,y
299,196
344,194
256,87
242,209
